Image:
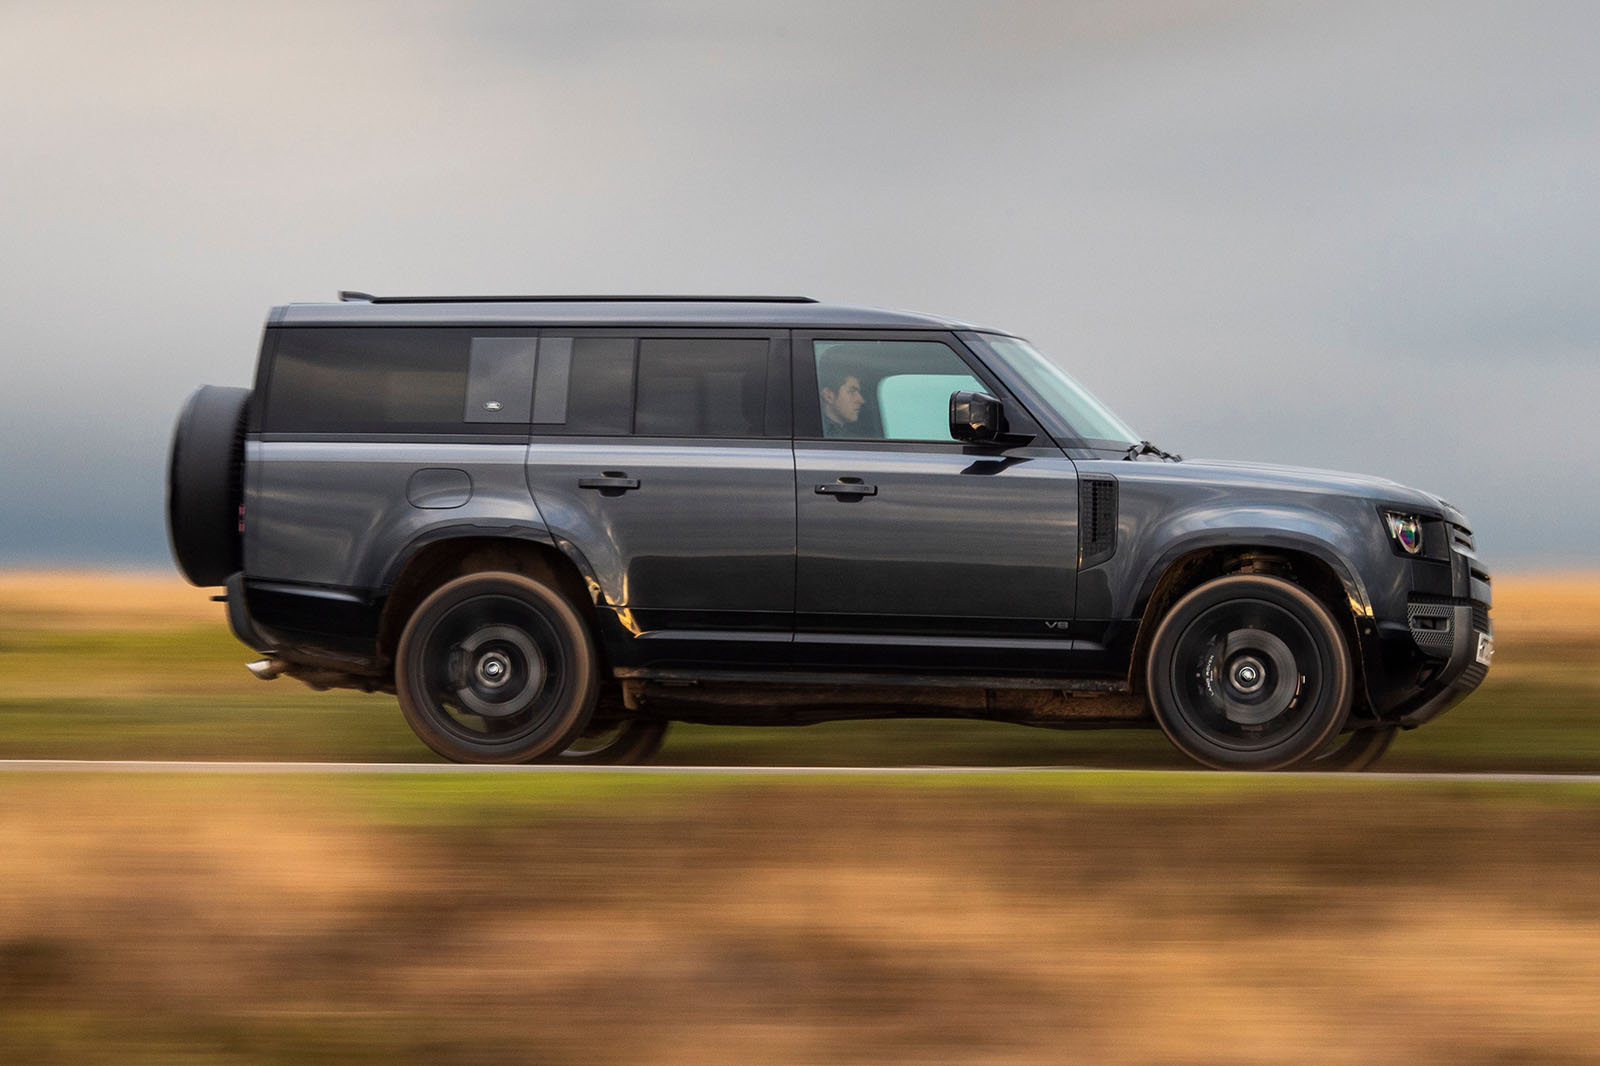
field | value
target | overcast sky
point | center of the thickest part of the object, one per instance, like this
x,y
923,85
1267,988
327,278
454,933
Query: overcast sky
x,y
1362,236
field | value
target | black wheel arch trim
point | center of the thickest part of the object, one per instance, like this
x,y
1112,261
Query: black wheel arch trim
x,y
1322,551
468,530
1360,611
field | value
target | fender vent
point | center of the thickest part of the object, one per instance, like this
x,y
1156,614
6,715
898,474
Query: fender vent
x,y
1097,520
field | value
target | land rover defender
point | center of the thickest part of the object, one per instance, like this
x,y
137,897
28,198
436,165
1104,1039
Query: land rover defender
x,y
551,525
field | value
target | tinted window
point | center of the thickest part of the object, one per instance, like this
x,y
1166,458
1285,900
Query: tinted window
x,y
702,388
888,390
382,380
600,393
367,380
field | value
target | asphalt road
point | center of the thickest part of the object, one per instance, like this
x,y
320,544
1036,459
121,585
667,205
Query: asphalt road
x,y
150,767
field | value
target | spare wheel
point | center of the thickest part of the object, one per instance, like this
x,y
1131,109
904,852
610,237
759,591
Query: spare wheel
x,y
205,484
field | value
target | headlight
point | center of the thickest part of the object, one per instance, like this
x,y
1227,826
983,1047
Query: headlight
x,y
1405,530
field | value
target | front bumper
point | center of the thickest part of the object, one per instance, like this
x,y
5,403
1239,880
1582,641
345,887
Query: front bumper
x,y
1459,638
1443,649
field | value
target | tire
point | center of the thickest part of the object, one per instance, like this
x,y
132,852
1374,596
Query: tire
x,y
1355,752
1249,673
614,744
496,668
205,486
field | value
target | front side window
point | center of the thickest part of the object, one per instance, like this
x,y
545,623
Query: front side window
x,y
887,389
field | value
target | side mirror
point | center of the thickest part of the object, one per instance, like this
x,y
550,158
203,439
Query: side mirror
x,y
975,417
978,418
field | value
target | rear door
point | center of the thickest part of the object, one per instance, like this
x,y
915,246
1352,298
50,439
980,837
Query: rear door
x,y
914,550
664,459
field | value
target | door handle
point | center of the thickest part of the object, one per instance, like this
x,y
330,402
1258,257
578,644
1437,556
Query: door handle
x,y
847,486
610,481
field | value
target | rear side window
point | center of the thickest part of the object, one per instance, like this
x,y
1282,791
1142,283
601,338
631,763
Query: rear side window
x,y
695,388
600,397
652,386
382,380
414,380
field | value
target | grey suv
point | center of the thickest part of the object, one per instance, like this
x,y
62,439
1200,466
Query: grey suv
x,y
551,525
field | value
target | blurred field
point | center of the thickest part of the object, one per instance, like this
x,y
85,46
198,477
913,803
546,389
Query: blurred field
x,y
1182,918
1192,919
142,666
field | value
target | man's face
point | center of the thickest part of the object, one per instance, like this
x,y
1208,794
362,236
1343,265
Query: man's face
x,y
844,406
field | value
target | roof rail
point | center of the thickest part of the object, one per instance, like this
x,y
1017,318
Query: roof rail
x,y
363,297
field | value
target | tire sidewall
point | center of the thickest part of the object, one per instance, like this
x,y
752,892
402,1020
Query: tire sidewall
x,y
636,742
580,664
1354,752
1327,715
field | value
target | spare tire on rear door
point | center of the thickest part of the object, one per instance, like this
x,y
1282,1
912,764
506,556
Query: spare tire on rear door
x,y
205,484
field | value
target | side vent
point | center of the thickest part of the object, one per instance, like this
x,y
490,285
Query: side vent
x,y
1097,520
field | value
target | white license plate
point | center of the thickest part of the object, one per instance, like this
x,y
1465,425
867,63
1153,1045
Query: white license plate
x,y
1485,648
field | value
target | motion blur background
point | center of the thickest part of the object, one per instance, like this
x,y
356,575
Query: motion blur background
x,y
1359,235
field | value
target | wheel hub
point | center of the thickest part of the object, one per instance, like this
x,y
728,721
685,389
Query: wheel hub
x,y
493,669
500,672
1259,677
1248,674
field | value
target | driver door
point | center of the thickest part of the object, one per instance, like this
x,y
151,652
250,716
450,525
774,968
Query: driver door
x,y
914,550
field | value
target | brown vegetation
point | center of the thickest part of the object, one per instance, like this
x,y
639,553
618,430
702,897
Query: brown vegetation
x,y
780,923
103,600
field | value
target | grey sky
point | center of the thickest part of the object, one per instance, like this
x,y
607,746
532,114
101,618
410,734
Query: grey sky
x,y
1358,235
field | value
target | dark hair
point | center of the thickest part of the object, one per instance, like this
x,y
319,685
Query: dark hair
x,y
834,368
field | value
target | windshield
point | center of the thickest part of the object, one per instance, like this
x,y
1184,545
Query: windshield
x,y
1080,414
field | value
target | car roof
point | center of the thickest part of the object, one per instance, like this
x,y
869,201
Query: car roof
x,y
358,309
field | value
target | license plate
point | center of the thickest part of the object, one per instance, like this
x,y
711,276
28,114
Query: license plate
x,y
1485,648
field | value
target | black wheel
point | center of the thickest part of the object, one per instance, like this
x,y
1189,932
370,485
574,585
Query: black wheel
x,y
1249,673
625,743
496,668
1355,751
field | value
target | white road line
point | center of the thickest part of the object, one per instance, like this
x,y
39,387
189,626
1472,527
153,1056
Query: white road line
x,y
152,767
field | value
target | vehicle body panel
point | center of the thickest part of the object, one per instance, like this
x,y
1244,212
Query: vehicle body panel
x,y
923,557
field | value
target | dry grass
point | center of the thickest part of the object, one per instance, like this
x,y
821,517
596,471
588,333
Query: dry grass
x,y
1547,606
103,600
131,666
780,924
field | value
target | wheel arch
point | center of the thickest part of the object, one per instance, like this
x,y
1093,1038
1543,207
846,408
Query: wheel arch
x,y
442,554
1316,566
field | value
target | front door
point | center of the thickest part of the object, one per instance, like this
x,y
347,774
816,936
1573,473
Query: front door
x,y
914,550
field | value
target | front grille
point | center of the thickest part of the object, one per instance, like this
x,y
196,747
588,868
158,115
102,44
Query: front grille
x,y
1461,538
1480,617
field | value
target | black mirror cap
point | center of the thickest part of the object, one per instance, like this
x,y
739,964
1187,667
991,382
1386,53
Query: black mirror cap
x,y
979,418
976,417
